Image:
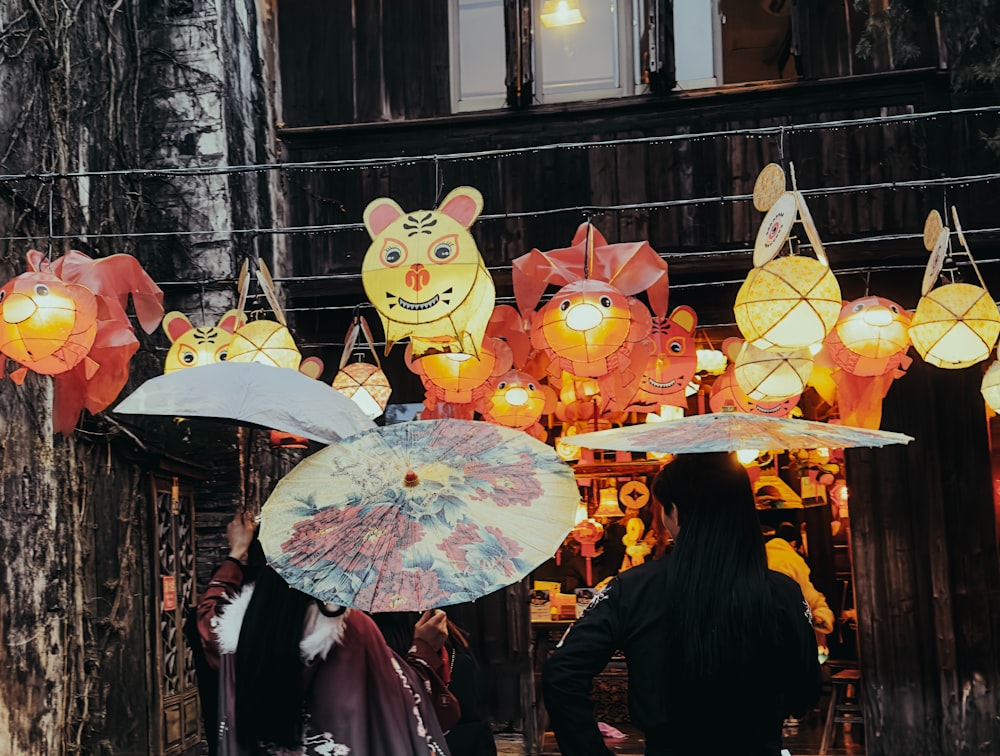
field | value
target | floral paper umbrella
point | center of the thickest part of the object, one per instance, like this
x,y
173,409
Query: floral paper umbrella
x,y
417,515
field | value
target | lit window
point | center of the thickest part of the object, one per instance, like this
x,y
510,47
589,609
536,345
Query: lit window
x,y
579,60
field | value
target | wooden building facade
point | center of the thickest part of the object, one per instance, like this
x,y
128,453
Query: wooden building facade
x,y
202,132
369,100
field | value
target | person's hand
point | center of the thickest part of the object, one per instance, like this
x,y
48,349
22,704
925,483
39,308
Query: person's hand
x,y
432,628
239,533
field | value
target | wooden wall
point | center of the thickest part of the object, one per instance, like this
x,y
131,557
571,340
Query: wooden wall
x,y
537,197
927,571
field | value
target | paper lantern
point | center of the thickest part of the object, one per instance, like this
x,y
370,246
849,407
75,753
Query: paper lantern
x,y
727,396
425,277
193,346
86,346
671,365
366,385
46,324
518,400
587,324
955,325
991,386
788,303
870,337
607,503
771,376
264,341
462,378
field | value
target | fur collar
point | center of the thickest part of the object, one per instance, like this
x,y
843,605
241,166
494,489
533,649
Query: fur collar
x,y
319,634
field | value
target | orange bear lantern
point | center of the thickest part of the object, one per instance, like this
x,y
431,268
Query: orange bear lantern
x,y
88,377
672,365
591,326
519,400
461,378
46,324
871,337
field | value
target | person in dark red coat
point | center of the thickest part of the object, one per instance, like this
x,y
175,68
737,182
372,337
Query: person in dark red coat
x,y
301,677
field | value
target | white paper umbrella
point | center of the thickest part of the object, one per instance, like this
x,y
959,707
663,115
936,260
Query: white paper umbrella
x,y
419,514
254,394
731,431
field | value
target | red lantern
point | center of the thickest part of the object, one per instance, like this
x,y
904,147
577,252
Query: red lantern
x,y
93,379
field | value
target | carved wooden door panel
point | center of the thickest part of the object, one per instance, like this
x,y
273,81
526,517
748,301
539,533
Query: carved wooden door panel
x,y
174,591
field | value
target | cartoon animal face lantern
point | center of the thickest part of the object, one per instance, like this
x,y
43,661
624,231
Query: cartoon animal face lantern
x,y
424,274
871,336
193,346
66,318
46,324
588,321
673,364
727,395
518,400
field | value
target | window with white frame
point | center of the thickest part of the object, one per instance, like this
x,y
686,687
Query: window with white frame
x,y
478,44
523,52
696,47
572,50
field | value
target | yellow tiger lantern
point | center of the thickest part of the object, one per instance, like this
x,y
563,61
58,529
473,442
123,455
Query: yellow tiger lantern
x,y
425,277
191,346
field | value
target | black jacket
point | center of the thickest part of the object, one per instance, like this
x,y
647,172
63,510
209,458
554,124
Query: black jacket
x,y
741,713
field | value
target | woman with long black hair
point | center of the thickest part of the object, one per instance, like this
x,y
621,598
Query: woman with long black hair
x,y
298,676
719,648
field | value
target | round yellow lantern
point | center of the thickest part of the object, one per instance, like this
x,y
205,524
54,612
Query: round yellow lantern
x,y
264,341
955,325
991,386
788,303
772,376
366,385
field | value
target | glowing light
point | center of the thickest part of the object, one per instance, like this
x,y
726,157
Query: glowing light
x,y
711,361
557,13
747,456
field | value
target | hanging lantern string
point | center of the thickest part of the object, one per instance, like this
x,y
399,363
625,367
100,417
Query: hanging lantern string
x,y
380,162
591,209
668,256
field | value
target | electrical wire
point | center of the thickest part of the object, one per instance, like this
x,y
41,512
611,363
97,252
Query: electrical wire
x,y
380,162
583,210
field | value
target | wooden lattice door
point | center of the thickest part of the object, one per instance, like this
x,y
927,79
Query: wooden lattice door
x,y
174,589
